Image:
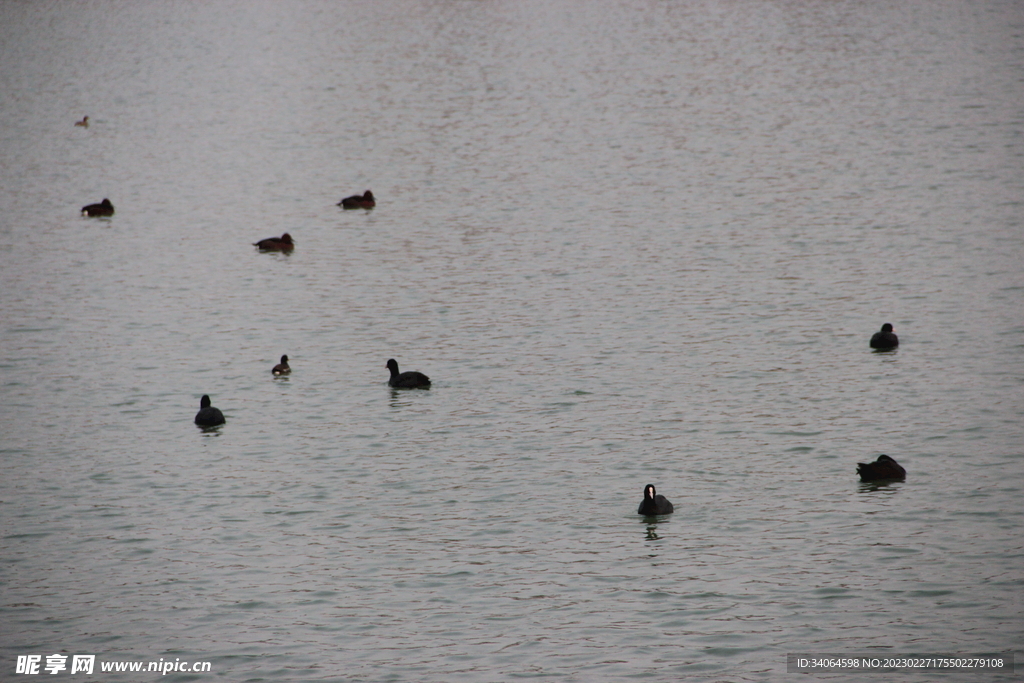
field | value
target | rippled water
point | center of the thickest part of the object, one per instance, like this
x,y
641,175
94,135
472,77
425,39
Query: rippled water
x,y
631,242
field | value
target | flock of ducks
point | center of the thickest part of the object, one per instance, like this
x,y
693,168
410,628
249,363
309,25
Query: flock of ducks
x,y
884,468
209,416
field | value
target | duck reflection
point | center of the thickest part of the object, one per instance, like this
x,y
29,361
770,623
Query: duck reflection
x,y
401,398
889,486
652,532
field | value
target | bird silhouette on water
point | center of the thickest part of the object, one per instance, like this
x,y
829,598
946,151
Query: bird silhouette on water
x,y
406,380
881,469
208,416
885,339
104,208
357,201
282,243
654,503
282,368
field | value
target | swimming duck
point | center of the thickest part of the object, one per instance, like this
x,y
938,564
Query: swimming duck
x,y
84,123
883,468
104,208
406,380
282,243
208,416
364,201
654,503
282,368
885,339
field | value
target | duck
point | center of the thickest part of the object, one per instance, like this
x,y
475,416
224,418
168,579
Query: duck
x,y
84,123
883,468
885,339
406,380
104,208
208,416
364,201
282,243
282,368
654,503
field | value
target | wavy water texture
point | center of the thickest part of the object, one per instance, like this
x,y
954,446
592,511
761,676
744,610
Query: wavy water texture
x,y
630,242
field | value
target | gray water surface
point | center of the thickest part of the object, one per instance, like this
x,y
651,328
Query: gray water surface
x,y
631,242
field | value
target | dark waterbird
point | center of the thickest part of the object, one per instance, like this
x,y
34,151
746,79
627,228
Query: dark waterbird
x,y
356,201
654,503
104,208
208,416
282,243
406,380
84,123
881,469
282,368
885,339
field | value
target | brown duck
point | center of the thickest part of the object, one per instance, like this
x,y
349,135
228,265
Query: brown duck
x,y
282,243
363,201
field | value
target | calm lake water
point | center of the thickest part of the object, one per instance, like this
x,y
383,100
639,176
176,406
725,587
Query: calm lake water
x,y
631,242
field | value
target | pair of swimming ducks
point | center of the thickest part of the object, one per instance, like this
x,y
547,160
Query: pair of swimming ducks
x,y
653,503
399,380
882,469
285,241
282,243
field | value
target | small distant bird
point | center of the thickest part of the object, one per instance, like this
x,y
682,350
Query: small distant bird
x,y
406,380
654,503
104,208
885,339
883,468
282,243
364,201
208,416
84,123
282,368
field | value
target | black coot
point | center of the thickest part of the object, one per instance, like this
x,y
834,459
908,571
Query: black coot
x,y
406,380
885,339
654,503
883,468
104,208
208,416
